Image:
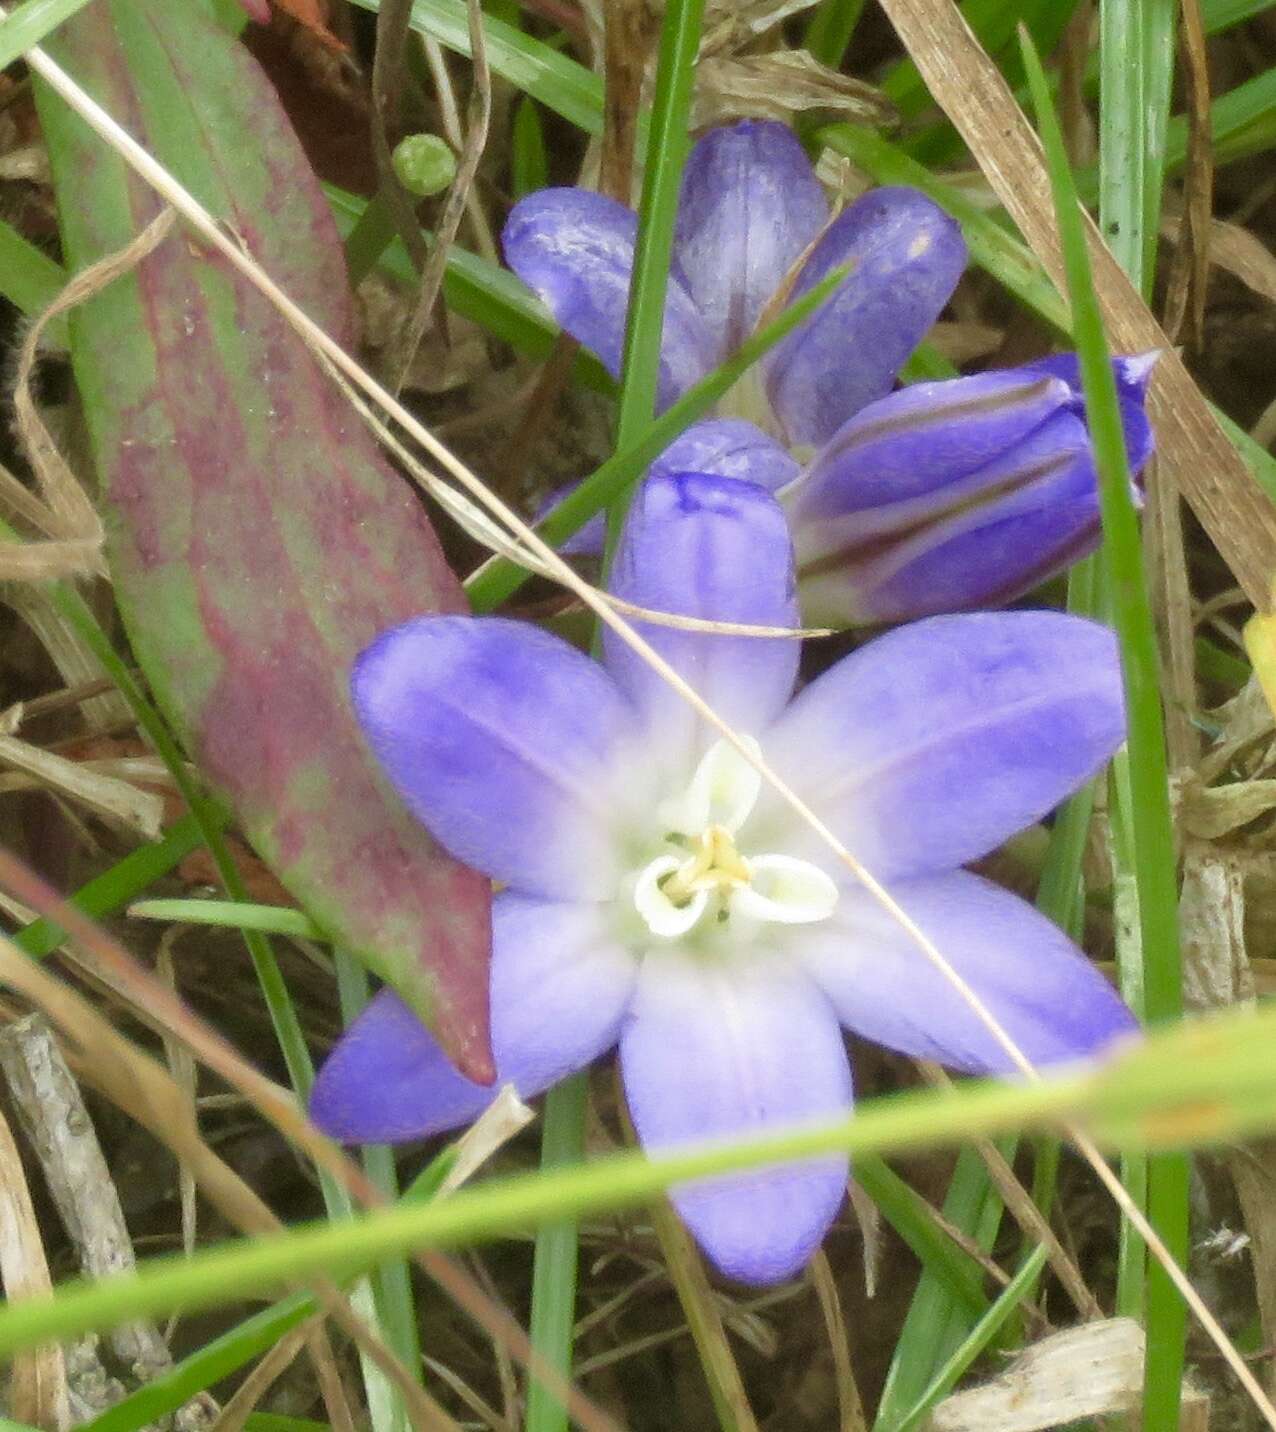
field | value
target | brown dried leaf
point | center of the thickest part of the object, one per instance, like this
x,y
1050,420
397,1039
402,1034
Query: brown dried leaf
x,y
780,85
1234,249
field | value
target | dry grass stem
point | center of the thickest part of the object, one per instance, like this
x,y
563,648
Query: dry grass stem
x,y
850,1407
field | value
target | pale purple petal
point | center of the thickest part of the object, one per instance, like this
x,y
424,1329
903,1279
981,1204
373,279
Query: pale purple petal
x,y
720,1050
729,447
901,456
985,558
930,746
750,204
716,549
1031,978
907,256
506,743
720,447
1009,526
575,250
1132,377
560,988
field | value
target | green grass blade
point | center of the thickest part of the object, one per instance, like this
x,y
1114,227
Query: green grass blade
x,y
937,1322
559,83
268,919
830,28
114,888
529,160
217,1359
30,23
29,279
1150,821
1203,1082
904,1210
977,1340
553,1317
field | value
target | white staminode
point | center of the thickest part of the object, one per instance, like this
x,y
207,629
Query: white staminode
x,y
675,891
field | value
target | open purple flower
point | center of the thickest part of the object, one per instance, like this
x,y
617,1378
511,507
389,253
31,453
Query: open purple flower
x,y
660,898
753,231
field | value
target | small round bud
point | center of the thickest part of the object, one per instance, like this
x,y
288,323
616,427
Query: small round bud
x,y
424,164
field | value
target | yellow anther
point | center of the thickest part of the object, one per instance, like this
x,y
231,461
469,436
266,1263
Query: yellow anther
x,y
715,864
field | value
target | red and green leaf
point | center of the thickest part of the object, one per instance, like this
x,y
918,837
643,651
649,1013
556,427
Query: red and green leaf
x,y
257,537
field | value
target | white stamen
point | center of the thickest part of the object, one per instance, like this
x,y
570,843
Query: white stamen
x,y
785,890
663,917
722,792
674,892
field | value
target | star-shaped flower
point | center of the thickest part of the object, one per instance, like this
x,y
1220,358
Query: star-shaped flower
x,y
661,898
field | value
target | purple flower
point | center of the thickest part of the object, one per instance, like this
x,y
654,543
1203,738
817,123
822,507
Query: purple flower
x,y
659,897
753,231
942,496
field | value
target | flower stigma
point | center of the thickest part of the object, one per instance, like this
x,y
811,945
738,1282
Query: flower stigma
x,y
710,879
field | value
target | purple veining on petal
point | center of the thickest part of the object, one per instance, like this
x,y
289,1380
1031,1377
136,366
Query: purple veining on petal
x,y
750,204
907,256
560,988
1050,1000
575,250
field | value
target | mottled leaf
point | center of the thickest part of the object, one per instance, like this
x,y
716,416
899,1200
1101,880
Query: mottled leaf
x,y
256,536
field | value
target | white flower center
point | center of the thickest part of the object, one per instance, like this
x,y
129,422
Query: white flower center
x,y
708,878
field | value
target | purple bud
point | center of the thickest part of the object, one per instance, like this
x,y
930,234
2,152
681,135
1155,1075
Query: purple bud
x,y
956,495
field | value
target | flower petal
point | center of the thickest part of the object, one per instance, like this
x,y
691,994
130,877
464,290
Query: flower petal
x,y
575,250
1132,373
560,988
750,204
930,746
981,559
892,464
1031,978
907,256
729,447
1038,514
722,1050
719,550
506,743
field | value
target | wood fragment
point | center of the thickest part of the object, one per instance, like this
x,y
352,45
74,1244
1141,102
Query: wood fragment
x,y
37,1393
57,1125
1084,1372
1216,970
1237,515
